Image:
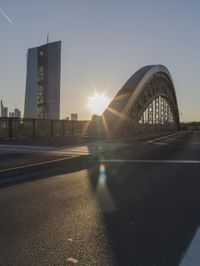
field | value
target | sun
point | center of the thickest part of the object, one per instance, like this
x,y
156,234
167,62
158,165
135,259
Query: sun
x,y
98,103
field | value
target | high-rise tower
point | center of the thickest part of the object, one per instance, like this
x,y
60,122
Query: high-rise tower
x,y
42,99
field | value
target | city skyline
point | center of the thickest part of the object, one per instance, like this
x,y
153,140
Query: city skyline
x,y
4,112
103,45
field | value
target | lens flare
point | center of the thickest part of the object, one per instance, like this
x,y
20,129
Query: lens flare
x,y
102,191
102,168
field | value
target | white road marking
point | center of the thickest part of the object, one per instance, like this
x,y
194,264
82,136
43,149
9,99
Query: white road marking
x,y
152,161
164,137
192,256
105,161
34,164
72,152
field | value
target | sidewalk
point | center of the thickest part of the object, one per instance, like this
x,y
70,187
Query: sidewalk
x,y
73,150
19,156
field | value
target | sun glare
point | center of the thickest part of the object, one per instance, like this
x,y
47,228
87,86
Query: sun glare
x,y
98,103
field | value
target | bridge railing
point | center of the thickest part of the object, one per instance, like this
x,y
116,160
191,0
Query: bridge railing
x,y
11,128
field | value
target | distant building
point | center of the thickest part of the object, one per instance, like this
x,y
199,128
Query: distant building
x,y
11,114
74,117
4,110
42,99
17,113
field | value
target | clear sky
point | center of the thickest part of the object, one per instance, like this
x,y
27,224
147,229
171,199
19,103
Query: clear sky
x,y
103,43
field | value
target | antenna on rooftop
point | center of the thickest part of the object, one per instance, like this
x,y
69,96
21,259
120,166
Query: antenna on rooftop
x,y
47,37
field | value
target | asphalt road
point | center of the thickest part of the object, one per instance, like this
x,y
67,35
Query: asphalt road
x,y
141,207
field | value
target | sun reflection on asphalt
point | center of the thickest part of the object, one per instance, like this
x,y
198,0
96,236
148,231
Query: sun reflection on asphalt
x,y
103,194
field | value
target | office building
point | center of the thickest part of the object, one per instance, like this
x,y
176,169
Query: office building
x,y
42,97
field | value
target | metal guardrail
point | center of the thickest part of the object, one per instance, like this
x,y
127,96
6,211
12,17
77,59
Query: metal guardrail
x,y
14,128
25,128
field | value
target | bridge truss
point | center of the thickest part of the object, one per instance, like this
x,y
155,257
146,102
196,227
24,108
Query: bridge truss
x,y
146,103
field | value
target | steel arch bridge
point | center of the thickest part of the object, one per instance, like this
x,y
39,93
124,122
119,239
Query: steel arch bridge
x,y
146,103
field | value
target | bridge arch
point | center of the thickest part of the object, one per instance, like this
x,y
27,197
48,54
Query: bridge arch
x,y
146,103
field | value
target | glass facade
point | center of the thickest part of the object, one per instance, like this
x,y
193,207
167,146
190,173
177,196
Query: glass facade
x,y
42,98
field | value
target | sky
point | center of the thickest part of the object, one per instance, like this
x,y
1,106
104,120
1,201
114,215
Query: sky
x,y
104,42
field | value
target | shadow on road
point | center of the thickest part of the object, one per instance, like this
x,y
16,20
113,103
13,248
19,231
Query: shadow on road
x,y
151,214
150,211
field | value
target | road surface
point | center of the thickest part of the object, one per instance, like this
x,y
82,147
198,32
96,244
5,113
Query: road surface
x,y
140,206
